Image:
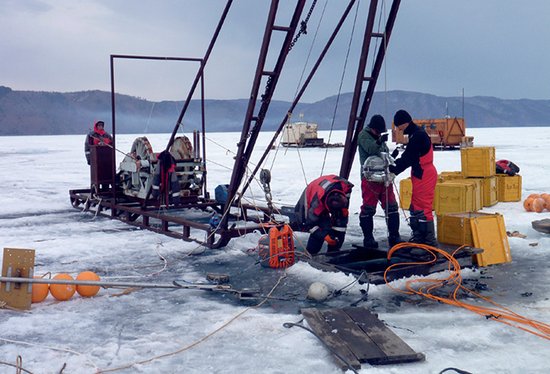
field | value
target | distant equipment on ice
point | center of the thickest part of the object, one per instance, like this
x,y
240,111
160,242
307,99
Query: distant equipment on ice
x,y
447,132
304,134
301,134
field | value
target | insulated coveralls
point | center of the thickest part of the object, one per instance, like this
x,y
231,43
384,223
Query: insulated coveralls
x,y
418,156
373,192
315,216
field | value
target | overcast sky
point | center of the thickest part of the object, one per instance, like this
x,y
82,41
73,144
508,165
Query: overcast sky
x,y
489,47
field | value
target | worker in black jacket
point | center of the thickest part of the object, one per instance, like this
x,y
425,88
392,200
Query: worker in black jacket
x,y
418,156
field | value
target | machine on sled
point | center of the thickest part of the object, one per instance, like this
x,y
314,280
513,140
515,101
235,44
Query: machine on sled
x,y
166,192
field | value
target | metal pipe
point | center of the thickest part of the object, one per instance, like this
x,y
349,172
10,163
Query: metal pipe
x,y
213,287
300,93
352,147
359,79
199,73
245,147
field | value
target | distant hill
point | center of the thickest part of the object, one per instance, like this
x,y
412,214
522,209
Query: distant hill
x,y
52,113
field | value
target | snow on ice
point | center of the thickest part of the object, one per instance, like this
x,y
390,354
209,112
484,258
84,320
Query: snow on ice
x,y
194,331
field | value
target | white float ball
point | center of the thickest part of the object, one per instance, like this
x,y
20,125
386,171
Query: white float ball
x,y
318,291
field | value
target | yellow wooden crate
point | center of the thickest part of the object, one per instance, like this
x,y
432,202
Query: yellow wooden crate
x,y
508,187
480,230
456,197
478,190
405,193
445,176
454,228
489,193
489,234
478,161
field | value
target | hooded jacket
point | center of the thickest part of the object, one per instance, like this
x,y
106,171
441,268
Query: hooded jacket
x,y
96,137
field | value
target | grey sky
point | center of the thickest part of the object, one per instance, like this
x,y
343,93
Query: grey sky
x,y
486,47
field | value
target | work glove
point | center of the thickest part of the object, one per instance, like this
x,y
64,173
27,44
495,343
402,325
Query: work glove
x,y
395,153
383,138
332,241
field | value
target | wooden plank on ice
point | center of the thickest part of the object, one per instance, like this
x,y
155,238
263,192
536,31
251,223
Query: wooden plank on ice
x,y
355,338
324,332
395,350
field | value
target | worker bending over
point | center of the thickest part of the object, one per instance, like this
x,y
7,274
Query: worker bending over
x,y
323,211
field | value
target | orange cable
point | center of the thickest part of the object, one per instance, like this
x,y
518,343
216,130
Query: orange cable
x,y
427,286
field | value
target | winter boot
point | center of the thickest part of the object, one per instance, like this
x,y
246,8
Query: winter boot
x,y
393,229
367,225
430,238
417,235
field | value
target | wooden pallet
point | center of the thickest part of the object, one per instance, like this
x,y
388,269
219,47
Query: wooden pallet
x,y
358,336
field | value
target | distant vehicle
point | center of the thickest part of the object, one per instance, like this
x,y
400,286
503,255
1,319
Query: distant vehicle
x,y
301,134
444,132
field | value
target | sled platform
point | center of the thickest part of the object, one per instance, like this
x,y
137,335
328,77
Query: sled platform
x,y
189,221
542,225
354,335
374,262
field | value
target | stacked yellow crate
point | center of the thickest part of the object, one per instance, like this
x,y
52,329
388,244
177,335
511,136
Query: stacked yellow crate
x,y
480,230
458,197
508,187
480,163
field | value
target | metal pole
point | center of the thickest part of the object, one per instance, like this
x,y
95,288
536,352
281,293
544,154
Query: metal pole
x,y
199,73
351,148
216,287
300,93
113,163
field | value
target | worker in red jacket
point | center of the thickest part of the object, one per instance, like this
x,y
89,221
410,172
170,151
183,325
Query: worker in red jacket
x,y
323,211
98,136
418,156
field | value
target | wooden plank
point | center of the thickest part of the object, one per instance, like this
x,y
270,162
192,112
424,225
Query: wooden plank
x,y
17,262
396,350
324,332
355,338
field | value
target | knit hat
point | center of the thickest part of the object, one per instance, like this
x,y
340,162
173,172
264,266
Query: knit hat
x,y
377,123
401,117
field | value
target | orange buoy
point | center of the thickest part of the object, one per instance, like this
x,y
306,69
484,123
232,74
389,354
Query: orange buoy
x,y
533,196
547,200
528,204
87,291
39,291
62,292
538,204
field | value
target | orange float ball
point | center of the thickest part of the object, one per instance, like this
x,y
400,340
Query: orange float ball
x,y
547,200
62,292
538,204
533,196
39,291
528,204
87,291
